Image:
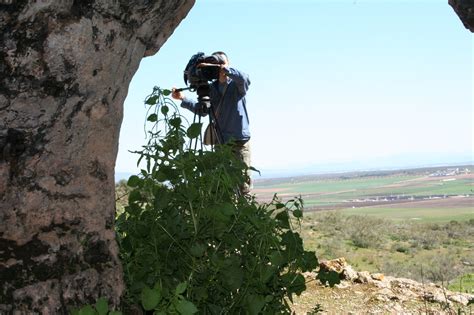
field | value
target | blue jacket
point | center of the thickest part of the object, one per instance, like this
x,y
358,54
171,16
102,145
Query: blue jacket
x,y
232,115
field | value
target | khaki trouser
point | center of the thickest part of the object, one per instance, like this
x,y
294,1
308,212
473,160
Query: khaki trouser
x,y
242,150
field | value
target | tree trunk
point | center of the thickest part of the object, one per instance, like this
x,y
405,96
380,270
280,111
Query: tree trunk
x,y
65,67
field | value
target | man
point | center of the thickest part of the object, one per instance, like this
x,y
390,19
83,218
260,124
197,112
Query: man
x,y
228,100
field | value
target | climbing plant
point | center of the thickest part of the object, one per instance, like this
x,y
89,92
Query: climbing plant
x,y
190,243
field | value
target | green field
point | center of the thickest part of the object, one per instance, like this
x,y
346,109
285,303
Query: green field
x,y
416,214
421,194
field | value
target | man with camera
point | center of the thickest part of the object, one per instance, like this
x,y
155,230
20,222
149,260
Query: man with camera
x,y
227,98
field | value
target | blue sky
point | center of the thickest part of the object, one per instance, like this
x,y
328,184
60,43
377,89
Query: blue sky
x,y
362,82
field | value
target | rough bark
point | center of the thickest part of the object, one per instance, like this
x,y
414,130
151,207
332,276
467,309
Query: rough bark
x,y
465,10
65,67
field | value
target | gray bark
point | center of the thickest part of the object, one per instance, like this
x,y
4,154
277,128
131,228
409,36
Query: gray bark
x,y
65,68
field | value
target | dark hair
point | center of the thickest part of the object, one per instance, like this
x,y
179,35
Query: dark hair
x,y
219,55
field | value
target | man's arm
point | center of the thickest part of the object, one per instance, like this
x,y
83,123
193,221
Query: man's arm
x,y
192,106
187,102
241,79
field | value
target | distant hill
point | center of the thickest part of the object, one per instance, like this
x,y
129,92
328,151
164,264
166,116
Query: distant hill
x,y
358,174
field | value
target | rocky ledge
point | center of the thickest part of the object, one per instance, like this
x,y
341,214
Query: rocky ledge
x,y
361,292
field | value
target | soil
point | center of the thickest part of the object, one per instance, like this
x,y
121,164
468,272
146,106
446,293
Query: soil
x,y
365,298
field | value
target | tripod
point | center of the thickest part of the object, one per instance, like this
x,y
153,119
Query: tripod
x,y
204,106
213,134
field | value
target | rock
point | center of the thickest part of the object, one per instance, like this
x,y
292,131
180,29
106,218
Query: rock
x,y
436,296
343,285
391,291
377,276
336,265
65,68
461,298
349,273
363,277
388,294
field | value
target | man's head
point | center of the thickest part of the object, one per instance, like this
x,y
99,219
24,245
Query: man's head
x,y
224,61
222,57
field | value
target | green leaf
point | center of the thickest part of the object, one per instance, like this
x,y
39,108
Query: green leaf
x,y
87,310
233,277
186,308
102,306
166,92
284,219
268,272
160,176
151,100
181,288
175,122
152,118
329,277
298,213
134,196
194,130
150,298
197,250
200,293
115,313
277,259
310,261
134,181
279,205
162,199
164,110
293,244
295,283
255,303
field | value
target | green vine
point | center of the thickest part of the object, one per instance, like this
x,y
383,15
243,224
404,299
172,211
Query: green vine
x,y
190,244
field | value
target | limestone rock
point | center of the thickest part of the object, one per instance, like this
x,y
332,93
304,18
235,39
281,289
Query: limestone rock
x,y
377,276
460,298
364,277
336,265
349,273
387,289
65,67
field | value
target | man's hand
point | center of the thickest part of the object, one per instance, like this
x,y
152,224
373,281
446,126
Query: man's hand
x,y
177,95
205,64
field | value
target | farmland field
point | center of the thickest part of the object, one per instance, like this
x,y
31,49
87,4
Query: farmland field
x,y
433,194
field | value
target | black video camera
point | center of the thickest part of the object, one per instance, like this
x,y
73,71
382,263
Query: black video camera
x,y
199,78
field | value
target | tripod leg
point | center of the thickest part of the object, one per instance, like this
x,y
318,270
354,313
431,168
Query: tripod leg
x,y
219,136
200,136
194,121
211,124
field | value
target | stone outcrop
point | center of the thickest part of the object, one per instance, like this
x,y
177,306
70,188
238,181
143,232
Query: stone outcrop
x,y
389,288
65,67
465,10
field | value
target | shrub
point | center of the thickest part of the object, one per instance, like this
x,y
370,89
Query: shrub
x,y
365,232
190,243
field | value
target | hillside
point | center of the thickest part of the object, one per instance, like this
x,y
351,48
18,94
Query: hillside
x,y
365,293
413,224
